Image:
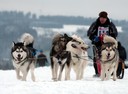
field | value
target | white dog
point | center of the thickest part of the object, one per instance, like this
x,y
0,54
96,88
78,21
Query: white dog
x,y
79,57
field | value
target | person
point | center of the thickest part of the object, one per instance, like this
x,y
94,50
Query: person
x,y
122,58
102,25
41,59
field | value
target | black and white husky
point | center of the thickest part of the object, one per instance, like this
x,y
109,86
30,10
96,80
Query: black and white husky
x,y
23,58
58,55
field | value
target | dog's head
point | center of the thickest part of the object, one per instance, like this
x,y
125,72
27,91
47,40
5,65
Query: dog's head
x,y
77,44
19,51
107,51
60,41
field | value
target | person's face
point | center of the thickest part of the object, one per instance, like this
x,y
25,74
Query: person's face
x,y
102,20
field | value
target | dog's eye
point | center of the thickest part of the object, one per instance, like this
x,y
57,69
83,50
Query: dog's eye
x,y
110,49
79,42
17,51
106,49
21,51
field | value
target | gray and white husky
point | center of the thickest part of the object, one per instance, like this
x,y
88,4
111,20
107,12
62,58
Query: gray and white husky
x,y
23,58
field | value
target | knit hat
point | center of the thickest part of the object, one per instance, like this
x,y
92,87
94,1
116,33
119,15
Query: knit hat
x,y
103,14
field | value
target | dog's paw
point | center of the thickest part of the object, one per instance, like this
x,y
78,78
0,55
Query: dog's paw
x,y
19,77
114,79
54,79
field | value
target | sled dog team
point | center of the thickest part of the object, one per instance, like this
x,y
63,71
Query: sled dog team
x,y
66,53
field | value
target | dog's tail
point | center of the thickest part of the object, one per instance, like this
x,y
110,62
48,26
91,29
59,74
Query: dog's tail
x,y
27,39
110,39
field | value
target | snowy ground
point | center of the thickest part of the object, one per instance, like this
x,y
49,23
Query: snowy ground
x,y
44,85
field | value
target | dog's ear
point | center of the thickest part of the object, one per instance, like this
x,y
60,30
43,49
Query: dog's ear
x,y
13,44
67,37
103,46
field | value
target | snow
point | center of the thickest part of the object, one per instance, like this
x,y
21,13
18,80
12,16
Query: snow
x,y
44,85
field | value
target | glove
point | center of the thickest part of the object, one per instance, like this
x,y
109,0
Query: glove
x,y
96,39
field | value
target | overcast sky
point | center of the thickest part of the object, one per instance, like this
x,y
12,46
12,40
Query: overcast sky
x,y
117,9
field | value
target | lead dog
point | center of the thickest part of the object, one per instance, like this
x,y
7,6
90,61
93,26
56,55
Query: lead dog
x,y
79,57
22,57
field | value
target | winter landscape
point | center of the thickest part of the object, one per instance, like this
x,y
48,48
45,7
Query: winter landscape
x,y
45,18
44,85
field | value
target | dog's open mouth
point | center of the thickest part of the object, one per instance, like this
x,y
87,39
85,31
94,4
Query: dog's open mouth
x,y
19,58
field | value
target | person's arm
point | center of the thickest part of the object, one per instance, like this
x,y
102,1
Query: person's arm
x,y
91,31
113,31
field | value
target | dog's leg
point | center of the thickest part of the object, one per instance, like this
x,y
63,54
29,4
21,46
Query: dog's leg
x,y
56,71
18,74
102,72
83,68
54,68
67,72
32,66
60,73
78,74
115,70
109,71
25,72
78,71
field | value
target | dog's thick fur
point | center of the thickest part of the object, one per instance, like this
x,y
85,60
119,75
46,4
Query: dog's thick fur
x,y
23,59
59,57
79,57
109,61
27,39
107,39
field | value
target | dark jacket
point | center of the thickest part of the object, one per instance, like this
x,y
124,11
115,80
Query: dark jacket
x,y
122,52
93,30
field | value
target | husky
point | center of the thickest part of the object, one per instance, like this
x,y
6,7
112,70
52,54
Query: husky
x,y
79,57
58,55
109,61
23,58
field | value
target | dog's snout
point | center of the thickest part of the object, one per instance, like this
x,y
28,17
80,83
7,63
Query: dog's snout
x,y
19,55
108,54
